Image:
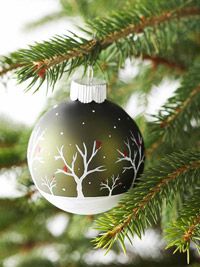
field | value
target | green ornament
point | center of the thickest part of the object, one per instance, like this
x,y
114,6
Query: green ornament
x,y
85,154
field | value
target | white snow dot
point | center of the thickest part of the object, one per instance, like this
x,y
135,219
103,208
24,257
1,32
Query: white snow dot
x,y
89,182
56,113
110,136
104,157
83,122
63,189
115,127
119,119
79,169
55,106
93,110
61,133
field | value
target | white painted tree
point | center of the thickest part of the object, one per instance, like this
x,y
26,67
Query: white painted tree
x,y
110,185
131,157
49,183
35,151
70,168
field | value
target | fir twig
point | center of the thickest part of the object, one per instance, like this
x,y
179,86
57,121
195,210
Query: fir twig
x,y
141,207
186,228
176,117
180,108
149,22
50,59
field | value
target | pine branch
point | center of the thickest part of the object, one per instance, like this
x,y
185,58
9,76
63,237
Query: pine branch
x,y
13,144
8,136
141,207
15,155
181,108
186,228
177,117
10,68
146,22
156,148
14,163
110,61
50,59
153,147
156,60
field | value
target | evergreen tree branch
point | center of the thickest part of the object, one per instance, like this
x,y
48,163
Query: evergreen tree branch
x,y
153,147
10,68
148,22
189,233
13,144
10,133
14,163
50,59
186,228
176,117
178,110
141,207
156,60
13,156
156,147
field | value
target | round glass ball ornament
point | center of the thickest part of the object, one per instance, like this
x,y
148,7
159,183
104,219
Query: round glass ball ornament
x,y
84,154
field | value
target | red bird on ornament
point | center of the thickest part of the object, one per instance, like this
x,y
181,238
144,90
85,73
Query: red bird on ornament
x,y
65,169
98,144
125,153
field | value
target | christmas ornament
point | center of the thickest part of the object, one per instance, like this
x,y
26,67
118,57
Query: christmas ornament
x,y
84,154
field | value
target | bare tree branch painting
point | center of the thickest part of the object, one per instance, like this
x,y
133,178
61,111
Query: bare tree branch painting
x,y
131,157
49,183
110,186
69,169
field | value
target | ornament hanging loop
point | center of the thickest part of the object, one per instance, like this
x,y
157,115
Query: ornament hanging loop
x,y
90,68
90,74
89,88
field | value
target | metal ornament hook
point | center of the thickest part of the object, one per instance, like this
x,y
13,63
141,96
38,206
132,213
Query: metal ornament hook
x,y
90,74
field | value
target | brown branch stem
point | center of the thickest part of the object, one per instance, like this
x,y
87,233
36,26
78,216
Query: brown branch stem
x,y
156,60
10,68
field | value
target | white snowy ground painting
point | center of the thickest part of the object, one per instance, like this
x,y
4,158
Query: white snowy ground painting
x,y
84,206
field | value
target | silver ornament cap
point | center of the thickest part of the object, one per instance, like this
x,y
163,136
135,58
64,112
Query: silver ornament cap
x,y
87,91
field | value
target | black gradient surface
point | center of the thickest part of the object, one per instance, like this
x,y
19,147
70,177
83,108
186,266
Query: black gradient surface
x,y
75,123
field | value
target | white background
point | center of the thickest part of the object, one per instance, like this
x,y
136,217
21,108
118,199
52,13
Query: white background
x,y
14,15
